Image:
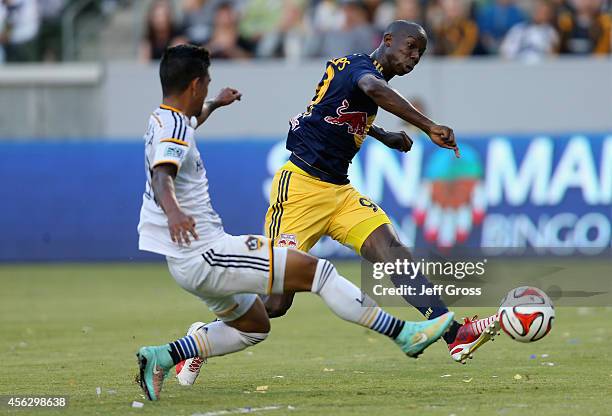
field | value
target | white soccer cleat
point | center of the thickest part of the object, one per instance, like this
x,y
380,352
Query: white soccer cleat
x,y
187,371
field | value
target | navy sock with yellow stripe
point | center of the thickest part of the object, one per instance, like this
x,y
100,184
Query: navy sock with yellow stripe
x,y
430,306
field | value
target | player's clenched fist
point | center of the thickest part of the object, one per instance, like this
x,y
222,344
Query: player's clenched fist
x,y
180,226
398,140
444,136
227,96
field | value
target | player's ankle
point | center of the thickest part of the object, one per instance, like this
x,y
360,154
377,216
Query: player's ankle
x,y
451,334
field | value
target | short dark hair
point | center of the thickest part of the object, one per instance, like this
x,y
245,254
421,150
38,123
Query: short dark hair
x,y
180,65
404,28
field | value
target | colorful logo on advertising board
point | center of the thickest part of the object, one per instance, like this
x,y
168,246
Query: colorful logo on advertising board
x,y
452,198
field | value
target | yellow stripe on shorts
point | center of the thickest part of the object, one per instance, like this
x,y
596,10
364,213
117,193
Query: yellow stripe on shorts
x,y
277,208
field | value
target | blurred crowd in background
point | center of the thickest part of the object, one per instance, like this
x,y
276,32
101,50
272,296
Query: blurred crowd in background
x,y
31,30
295,29
527,30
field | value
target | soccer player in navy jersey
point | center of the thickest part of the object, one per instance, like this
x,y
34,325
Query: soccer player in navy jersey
x,y
311,195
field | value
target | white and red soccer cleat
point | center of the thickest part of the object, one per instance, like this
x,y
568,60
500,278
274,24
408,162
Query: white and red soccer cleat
x,y
187,371
472,335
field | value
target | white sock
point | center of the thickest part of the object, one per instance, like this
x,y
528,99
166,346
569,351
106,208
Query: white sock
x,y
217,338
346,300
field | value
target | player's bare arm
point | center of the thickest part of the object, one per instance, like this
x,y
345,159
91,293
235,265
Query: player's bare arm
x,y
389,99
398,140
179,223
225,97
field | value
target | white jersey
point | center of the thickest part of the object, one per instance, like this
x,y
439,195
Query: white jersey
x,y
170,139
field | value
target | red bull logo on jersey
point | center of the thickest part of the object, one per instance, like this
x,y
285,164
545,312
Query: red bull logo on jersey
x,y
356,121
287,240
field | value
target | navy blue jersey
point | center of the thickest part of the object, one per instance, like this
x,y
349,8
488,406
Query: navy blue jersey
x,y
325,138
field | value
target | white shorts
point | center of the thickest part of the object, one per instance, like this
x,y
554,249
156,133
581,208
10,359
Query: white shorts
x,y
231,273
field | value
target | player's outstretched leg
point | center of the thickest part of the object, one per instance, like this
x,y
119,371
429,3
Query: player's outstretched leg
x,y
383,245
215,339
304,272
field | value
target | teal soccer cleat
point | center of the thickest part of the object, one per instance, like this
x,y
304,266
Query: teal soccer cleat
x,y
155,363
416,336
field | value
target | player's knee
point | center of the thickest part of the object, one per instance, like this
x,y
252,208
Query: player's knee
x,y
388,241
380,245
277,306
254,320
262,323
394,242
277,311
260,326
311,265
300,270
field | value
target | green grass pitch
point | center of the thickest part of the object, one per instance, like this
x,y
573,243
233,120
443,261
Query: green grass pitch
x,y
69,329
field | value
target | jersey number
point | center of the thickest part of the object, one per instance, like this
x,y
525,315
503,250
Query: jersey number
x,y
323,86
368,204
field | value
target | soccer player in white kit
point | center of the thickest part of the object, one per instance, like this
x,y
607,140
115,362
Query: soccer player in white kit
x,y
228,272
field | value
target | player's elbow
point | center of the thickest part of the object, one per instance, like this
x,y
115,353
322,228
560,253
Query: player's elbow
x,y
164,171
161,179
375,91
373,88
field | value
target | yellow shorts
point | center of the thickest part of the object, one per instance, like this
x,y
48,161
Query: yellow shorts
x,y
304,208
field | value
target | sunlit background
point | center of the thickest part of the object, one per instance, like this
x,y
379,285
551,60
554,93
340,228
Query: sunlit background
x,y
527,85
